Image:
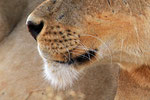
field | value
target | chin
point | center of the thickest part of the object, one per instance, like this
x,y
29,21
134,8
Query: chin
x,y
60,76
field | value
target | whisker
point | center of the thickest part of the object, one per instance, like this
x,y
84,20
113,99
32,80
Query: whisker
x,y
85,49
102,43
89,55
69,58
83,56
80,55
122,43
68,54
65,55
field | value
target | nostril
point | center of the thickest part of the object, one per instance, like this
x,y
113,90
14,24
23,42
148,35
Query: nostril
x,y
34,29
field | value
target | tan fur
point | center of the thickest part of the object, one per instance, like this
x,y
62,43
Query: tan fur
x,y
133,86
8,17
118,29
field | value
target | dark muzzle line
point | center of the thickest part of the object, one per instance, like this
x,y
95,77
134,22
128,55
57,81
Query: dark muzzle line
x,y
80,59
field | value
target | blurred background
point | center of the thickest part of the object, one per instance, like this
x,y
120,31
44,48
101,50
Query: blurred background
x,y
21,76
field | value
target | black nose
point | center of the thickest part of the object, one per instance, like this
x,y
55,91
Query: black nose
x,y
34,28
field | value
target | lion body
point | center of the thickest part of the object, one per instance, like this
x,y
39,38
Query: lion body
x,y
132,87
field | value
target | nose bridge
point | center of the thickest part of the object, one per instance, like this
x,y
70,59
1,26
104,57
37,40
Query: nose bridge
x,y
35,24
33,18
45,10
36,20
39,13
42,15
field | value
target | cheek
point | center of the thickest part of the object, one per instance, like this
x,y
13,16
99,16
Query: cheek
x,y
90,42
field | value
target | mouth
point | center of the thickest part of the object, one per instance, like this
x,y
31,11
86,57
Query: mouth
x,y
80,59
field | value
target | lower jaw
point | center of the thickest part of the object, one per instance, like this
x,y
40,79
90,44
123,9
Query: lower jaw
x,y
60,76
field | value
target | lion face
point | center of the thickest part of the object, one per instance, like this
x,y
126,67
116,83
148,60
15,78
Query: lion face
x,y
74,34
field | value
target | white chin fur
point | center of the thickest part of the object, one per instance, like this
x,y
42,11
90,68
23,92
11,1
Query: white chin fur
x,y
60,76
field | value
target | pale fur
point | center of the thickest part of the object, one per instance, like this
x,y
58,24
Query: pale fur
x,y
60,76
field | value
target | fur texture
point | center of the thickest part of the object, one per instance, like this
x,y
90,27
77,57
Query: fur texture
x,y
60,76
117,31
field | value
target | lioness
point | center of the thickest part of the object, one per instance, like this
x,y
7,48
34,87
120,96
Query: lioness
x,y
75,34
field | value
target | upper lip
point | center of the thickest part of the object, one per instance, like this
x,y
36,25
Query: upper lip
x,y
80,59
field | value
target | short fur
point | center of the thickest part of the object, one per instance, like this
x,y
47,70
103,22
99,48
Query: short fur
x,y
117,29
